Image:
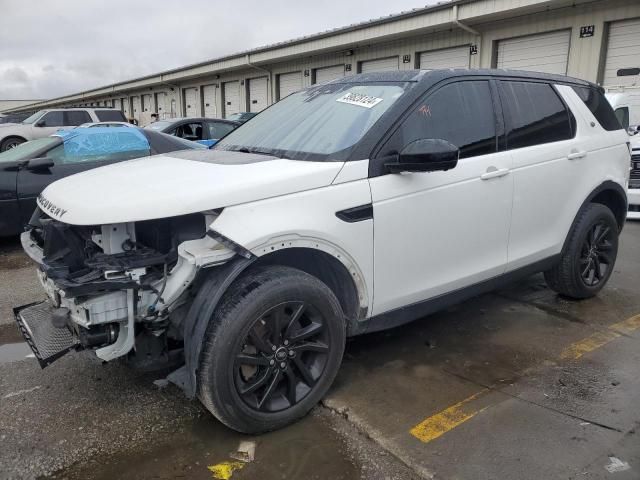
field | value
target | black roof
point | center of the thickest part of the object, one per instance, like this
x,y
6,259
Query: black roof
x,y
434,76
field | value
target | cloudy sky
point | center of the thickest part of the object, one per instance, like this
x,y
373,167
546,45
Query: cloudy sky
x,y
50,48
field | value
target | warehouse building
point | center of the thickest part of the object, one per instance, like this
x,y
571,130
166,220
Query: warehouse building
x,y
589,39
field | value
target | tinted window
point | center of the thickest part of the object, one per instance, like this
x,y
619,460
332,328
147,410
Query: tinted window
x,y
622,115
110,116
461,113
189,131
534,114
52,119
218,130
601,108
76,117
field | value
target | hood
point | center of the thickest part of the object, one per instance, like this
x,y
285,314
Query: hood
x,y
177,184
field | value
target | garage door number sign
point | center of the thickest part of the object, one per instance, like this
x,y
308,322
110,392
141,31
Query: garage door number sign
x,y
366,101
587,31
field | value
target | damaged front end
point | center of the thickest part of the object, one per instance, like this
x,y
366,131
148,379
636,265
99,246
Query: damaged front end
x,y
119,289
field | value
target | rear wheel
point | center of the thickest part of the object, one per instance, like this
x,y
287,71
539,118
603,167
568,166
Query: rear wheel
x,y
272,349
9,143
588,260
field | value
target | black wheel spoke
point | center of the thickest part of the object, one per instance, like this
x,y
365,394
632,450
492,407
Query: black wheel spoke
x,y
602,236
311,347
295,317
304,371
596,268
244,359
259,342
292,382
270,389
604,258
306,332
586,269
251,387
277,323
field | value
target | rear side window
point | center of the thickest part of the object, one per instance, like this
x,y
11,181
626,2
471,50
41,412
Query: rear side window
x,y
461,113
534,114
74,118
601,108
110,116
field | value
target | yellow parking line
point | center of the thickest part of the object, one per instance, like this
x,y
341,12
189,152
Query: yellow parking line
x,y
455,415
446,420
599,339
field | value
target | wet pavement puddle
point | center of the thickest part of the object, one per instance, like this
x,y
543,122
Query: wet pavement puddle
x,y
309,449
14,352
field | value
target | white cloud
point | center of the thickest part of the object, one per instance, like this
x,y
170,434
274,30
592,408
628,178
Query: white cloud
x,y
49,49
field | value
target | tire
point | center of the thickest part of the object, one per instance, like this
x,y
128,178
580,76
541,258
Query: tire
x,y
242,380
11,142
589,255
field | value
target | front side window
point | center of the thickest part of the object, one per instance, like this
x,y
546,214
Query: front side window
x,y
52,119
461,113
26,150
319,123
534,114
597,103
76,117
217,130
622,114
32,119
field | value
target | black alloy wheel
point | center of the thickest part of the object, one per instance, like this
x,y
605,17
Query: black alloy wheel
x,y
282,357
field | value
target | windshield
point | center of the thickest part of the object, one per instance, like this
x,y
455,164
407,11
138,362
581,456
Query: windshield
x,y
320,123
34,117
25,150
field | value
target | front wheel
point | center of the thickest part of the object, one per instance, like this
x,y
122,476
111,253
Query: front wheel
x,y
590,254
272,349
10,143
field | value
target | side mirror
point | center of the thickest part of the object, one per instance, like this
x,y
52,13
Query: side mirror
x,y
428,155
40,123
39,164
633,129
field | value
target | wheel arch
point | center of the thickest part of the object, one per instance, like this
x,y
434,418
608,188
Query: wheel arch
x,y
18,137
611,195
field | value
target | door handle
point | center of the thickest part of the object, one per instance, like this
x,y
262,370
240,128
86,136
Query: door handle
x,y
493,172
576,155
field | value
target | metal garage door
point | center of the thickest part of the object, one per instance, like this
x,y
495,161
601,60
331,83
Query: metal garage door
x,y
546,52
379,65
126,107
146,103
257,94
161,104
457,57
289,83
117,104
135,105
623,51
209,101
231,98
190,102
327,74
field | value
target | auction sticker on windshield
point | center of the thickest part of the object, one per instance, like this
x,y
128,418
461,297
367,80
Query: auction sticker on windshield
x,y
366,101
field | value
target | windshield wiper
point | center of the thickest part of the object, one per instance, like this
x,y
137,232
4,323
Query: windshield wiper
x,y
256,151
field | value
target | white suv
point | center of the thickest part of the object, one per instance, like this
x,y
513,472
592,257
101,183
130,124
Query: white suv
x,y
45,122
346,208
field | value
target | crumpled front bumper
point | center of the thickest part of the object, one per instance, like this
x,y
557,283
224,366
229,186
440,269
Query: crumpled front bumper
x,y
47,341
